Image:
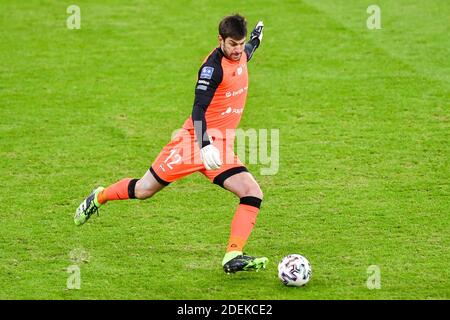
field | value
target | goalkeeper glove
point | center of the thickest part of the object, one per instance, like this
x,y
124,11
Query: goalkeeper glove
x,y
210,156
257,33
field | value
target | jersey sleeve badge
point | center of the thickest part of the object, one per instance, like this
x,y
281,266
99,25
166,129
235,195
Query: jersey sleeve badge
x,y
206,73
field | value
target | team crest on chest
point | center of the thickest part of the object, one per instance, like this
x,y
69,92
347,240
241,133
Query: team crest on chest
x,y
239,70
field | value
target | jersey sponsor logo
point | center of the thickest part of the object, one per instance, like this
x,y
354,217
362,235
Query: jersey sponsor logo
x,y
226,111
202,87
232,110
235,93
203,82
206,73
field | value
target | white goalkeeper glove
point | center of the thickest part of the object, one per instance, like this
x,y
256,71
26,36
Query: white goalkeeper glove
x,y
210,156
257,32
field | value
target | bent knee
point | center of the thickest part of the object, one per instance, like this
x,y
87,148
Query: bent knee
x,y
257,192
252,190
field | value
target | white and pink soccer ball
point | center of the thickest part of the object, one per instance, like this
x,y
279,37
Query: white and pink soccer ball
x,y
294,270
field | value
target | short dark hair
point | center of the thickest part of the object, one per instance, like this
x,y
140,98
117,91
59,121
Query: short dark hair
x,y
234,26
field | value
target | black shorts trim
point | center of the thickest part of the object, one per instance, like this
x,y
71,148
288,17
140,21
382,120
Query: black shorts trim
x,y
164,183
220,179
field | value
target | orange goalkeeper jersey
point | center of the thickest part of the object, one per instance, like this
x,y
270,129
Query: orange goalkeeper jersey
x,y
221,91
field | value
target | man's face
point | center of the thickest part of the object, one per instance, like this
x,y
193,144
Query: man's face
x,y
232,48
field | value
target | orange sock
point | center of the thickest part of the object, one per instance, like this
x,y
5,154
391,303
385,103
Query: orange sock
x,y
122,190
243,222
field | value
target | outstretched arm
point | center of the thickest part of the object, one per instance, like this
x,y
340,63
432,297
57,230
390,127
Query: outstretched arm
x,y
255,40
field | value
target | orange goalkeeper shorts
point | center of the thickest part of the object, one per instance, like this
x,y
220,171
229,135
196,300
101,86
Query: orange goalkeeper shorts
x,y
181,157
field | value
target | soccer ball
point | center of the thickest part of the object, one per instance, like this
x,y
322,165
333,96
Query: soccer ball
x,y
294,270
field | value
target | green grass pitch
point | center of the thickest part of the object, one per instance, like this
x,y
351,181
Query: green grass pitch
x,y
364,149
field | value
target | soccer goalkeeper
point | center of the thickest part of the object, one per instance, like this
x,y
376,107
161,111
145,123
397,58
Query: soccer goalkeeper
x,y
206,142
